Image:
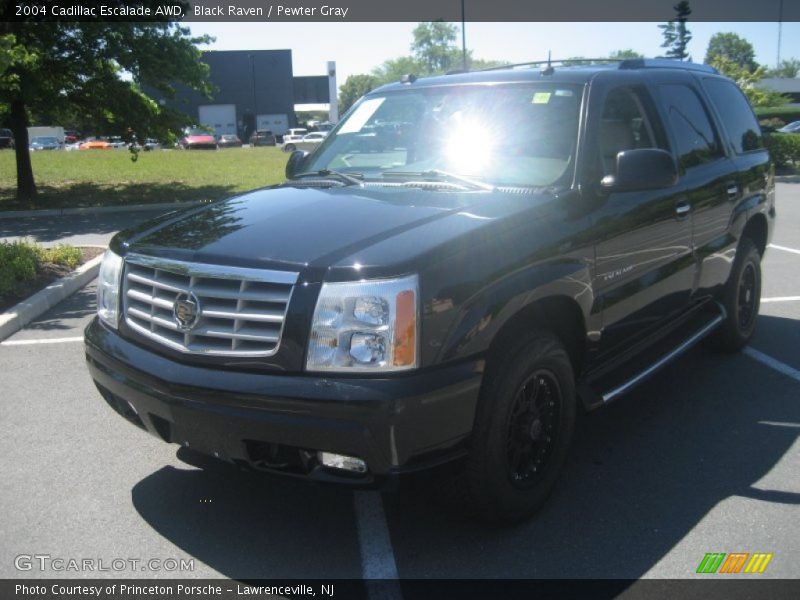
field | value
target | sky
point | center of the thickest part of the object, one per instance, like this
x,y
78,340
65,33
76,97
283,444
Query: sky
x,y
359,47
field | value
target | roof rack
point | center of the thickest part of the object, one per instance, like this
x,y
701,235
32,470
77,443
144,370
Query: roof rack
x,y
626,63
564,61
664,63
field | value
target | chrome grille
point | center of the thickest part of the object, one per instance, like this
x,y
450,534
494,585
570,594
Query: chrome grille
x,y
241,311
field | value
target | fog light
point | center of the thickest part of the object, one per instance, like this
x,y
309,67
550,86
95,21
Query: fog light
x,y
339,461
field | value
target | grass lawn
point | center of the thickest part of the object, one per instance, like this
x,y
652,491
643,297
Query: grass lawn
x,y
109,177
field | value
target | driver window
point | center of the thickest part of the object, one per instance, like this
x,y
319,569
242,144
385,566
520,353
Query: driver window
x,y
625,125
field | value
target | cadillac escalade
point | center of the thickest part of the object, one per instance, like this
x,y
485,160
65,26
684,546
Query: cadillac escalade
x,y
463,264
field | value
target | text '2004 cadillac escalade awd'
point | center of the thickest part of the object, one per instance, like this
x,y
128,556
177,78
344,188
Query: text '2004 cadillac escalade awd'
x,y
463,264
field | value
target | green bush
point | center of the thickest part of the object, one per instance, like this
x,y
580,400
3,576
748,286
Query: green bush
x,y
20,261
62,254
784,148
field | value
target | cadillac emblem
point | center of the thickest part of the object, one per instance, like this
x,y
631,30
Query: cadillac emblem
x,y
186,311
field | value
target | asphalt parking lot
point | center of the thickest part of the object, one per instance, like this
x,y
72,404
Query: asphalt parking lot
x,y
702,458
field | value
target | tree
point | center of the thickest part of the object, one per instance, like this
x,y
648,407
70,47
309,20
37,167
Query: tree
x,y
434,46
748,80
734,48
625,54
354,87
93,68
675,33
394,69
789,68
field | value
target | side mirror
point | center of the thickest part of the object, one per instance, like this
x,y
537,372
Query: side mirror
x,y
642,169
295,164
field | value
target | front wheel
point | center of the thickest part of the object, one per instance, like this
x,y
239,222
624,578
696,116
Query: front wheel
x,y
522,432
741,298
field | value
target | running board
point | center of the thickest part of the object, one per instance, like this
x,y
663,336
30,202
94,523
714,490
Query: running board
x,y
596,399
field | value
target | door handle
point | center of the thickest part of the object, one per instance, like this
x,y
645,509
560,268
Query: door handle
x,y
733,191
682,208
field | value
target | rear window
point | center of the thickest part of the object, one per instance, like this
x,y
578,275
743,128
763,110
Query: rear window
x,y
737,116
694,134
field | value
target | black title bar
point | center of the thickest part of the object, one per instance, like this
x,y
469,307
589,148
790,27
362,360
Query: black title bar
x,y
336,11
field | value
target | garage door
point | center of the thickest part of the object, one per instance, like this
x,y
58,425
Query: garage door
x,y
220,117
277,124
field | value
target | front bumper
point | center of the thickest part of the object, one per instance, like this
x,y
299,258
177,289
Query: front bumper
x,y
278,422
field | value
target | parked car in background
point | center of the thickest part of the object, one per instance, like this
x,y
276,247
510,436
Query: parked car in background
x,y
793,127
293,135
262,138
151,144
45,143
94,144
71,136
6,138
117,142
308,142
198,139
229,141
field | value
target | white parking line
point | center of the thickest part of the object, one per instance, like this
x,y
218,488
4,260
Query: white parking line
x,y
66,340
772,363
375,544
781,299
784,248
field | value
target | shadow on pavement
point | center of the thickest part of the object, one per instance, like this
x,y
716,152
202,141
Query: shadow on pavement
x,y
643,472
248,525
62,317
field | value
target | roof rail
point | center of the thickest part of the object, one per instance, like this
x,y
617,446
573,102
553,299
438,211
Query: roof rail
x,y
626,63
564,61
665,63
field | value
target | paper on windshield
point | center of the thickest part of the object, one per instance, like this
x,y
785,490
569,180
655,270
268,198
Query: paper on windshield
x,y
362,114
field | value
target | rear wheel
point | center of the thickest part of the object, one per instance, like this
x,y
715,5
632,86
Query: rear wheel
x,y
741,299
290,148
522,432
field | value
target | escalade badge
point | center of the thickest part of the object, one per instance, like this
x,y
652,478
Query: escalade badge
x,y
186,310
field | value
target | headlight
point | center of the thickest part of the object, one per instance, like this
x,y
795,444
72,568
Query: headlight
x,y
367,326
108,289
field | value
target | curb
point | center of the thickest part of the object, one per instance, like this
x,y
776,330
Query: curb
x,y
95,210
21,314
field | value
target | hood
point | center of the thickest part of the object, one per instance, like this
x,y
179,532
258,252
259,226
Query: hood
x,y
294,227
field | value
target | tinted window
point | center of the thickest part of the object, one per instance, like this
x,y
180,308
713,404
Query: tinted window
x,y
737,117
697,142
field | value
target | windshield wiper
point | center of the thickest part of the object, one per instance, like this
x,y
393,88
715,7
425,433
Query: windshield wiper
x,y
439,175
348,179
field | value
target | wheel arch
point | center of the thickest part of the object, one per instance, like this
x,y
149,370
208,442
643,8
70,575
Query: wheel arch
x,y
757,229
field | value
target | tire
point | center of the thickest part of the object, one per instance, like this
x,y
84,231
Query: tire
x,y
289,148
741,298
516,454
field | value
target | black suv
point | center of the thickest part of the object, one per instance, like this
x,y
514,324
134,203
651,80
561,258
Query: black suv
x,y
537,242
6,138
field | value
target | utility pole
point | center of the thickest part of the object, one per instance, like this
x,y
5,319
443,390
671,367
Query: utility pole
x,y
464,37
780,32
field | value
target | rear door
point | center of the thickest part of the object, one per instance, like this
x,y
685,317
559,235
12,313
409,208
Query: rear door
x,y
707,173
746,188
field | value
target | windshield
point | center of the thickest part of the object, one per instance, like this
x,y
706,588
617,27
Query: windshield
x,y
45,140
516,134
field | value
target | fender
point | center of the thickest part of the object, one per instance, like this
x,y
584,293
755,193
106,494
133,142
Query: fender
x,y
482,316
